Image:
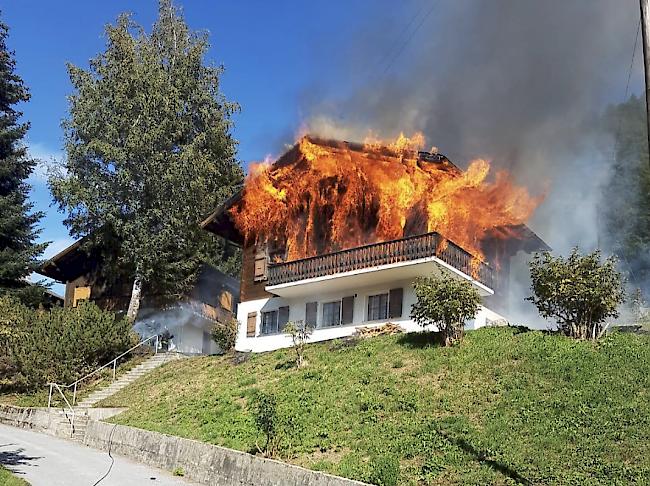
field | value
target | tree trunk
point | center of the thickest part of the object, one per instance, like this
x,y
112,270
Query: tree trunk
x,y
134,304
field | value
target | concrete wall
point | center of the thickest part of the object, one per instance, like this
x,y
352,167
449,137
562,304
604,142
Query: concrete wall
x,y
48,421
203,463
261,343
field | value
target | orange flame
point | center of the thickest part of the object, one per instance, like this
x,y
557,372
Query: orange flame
x,y
326,197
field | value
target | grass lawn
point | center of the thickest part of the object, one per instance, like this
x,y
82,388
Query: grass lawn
x,y
8,479
505,407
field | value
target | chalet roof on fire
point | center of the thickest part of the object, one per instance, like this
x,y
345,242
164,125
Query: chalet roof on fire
x,y
220,221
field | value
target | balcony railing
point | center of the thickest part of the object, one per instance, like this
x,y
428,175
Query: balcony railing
x,y
384,253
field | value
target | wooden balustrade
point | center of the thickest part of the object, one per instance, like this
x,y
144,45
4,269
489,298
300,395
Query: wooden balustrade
x,y
384,253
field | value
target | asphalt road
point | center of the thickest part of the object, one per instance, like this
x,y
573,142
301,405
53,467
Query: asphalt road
x,y
48,461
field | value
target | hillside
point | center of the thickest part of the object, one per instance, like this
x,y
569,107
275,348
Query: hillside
x,y
505,407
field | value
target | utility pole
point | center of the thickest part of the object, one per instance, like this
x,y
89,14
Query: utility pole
x,y
645,29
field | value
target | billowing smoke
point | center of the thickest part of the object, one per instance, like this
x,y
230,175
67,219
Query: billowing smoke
x,y
521,82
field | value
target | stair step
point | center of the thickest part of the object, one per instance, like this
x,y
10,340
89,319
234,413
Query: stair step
x,y
126,379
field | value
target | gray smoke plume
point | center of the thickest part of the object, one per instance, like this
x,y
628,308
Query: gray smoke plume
x,y
519,82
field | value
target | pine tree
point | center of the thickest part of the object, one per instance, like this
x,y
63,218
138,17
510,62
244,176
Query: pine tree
x,y
18,251
149,151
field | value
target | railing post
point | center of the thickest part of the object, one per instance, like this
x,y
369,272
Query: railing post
x,y
156,348
114,368
49,398
74,394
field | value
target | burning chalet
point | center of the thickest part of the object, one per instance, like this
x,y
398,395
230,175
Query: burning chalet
x,y
335,233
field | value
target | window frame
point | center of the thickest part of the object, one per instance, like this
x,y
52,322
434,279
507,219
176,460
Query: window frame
x,y
277,321
323,325
382,293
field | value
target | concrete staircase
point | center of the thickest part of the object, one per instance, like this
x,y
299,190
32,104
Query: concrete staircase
x,y
65,424
127,378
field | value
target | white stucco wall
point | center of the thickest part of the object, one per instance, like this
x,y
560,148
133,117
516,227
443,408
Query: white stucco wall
x,y
297,307
186,329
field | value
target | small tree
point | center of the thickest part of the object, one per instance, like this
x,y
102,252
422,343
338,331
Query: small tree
x,y
265,412
446,302
299,333
579,292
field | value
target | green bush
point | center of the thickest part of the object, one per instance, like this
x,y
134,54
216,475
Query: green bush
x,y
580,292
445,302
282,427
265,411
384,470
225,334
58,346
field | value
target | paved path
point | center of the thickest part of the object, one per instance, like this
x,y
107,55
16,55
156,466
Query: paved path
x,y
48,461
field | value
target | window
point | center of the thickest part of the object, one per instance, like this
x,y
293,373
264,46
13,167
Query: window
x,y
377,307
273,322
332,314
80,294
225,300
260,263
251,324
270,322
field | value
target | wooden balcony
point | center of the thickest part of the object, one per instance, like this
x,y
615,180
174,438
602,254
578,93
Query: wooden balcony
x,y
427,246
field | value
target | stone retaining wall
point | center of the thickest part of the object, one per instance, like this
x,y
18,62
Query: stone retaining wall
x,y
203,463
200,462
39,419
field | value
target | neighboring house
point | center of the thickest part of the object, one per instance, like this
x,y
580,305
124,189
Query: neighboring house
x,y
362,286
188,320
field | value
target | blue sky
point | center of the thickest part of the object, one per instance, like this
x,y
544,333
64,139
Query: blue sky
x,y
286,60
273,52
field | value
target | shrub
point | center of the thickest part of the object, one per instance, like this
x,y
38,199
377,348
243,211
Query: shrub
x,y
225,334
299,335
59,345
265,412
446,302
580,292
384,470
282,427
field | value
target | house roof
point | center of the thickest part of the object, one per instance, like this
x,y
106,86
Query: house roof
x,y
68,264
220,221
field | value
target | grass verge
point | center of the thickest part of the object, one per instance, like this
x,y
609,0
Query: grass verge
x,y
504,407
8,479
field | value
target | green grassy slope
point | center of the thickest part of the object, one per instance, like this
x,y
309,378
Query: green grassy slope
x,y
8,479
505,407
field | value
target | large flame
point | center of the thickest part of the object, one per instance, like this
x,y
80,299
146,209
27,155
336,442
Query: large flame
x,y
329,197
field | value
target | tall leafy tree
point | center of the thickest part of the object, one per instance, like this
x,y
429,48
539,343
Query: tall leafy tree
x,y
18,251
149,150
626,205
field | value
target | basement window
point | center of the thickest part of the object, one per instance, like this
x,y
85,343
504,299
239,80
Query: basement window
x,y
273,322
377,307
270,322
332,314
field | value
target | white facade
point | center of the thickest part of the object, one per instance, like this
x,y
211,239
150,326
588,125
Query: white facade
x,y
333,290
190,333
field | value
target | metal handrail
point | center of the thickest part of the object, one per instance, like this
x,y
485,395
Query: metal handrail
x,y
49,404
112,362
